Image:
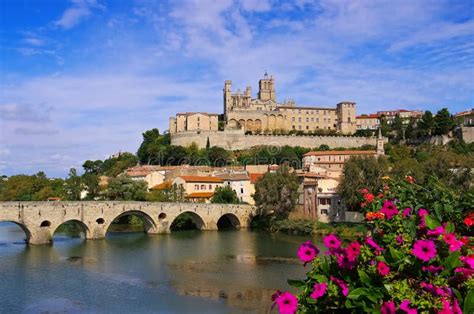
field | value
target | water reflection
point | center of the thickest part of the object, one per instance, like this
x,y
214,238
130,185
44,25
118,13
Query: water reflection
x,y
215,272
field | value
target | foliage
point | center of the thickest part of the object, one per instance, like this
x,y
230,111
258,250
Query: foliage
x,y
175,193
73,186
30,188
225,195
414,259
90,182
443,122
361,172
123,188
426,124
276,194
114,166
311,227
152,148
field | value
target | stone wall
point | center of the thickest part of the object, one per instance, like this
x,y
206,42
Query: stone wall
x,y
467,134
39,220
237,140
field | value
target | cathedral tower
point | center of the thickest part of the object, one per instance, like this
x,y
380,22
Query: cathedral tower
x,y
266,88
227,98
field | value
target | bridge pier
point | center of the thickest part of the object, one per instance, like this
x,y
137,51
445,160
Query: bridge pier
x,y
40,237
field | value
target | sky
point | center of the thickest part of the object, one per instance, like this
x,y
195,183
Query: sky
x,y
83,79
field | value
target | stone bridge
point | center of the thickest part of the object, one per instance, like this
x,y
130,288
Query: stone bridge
x,y
39,220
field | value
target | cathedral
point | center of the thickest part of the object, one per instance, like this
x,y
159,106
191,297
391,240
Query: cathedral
x,y
264,114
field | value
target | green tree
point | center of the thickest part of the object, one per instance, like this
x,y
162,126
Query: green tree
x,y
91,184
359,173
276,194
114,166
225,195
176,155
73,186
426,124
218,156
397,127
323,147
93,167
443,122
123,188
152,149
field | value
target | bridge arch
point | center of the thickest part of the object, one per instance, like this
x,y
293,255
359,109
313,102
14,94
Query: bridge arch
x,y
148,222
23,227
198,221
84,227
228,221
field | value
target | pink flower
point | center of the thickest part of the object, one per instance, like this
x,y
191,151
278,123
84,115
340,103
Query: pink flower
x,y
399,239
287,303
364,191
448,309
454,244
332,242
389,209
432,269
424,250
319,289
342,284
465,272
388,308
436,232
307,252
383,269
469,260
422,213
343,261
405,306
373,244
406,212
353,251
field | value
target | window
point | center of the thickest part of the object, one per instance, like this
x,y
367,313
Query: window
x,y
299,119
294,127
307,119
210,186
196,187
241,191
317,120
312,119
307,127
299,127
293,119
203,186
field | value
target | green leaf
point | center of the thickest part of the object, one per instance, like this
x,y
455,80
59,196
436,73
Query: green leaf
x,y
469,302
364,278
394,253
452,261
431,222
450,228
356,293
296,283
325,265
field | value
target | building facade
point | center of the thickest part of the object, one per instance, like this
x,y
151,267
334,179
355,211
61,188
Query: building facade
x,y
368,122
194,121
265,113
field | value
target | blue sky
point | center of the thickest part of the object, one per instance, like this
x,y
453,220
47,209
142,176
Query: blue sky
x,y
82,79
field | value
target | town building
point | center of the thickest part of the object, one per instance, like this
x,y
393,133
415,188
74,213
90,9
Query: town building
x,y
240,183
150,174
405,115
332,159
198,188
194,121
368,122
265,114
465,118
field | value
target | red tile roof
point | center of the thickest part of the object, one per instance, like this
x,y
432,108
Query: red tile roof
x,y
201,179
200,195
341,152
233,176
255,177
368,116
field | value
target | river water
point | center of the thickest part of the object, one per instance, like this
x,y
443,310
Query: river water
x,y
182,272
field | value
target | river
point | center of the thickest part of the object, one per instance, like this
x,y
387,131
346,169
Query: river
x,y
182,272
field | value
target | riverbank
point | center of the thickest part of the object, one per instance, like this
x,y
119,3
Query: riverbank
x,y
311,227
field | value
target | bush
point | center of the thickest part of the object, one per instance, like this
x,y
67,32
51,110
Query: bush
x,y
411,261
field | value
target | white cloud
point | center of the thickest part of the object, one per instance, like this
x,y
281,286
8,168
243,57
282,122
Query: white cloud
x,y
80,10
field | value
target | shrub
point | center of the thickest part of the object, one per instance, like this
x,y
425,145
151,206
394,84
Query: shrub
x,y
413,259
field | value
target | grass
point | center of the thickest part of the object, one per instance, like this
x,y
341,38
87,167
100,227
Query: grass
x,y
306,226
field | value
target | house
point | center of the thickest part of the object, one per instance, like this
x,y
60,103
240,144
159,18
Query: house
x,y
240,183
152,175
198,188
368,122
332,160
